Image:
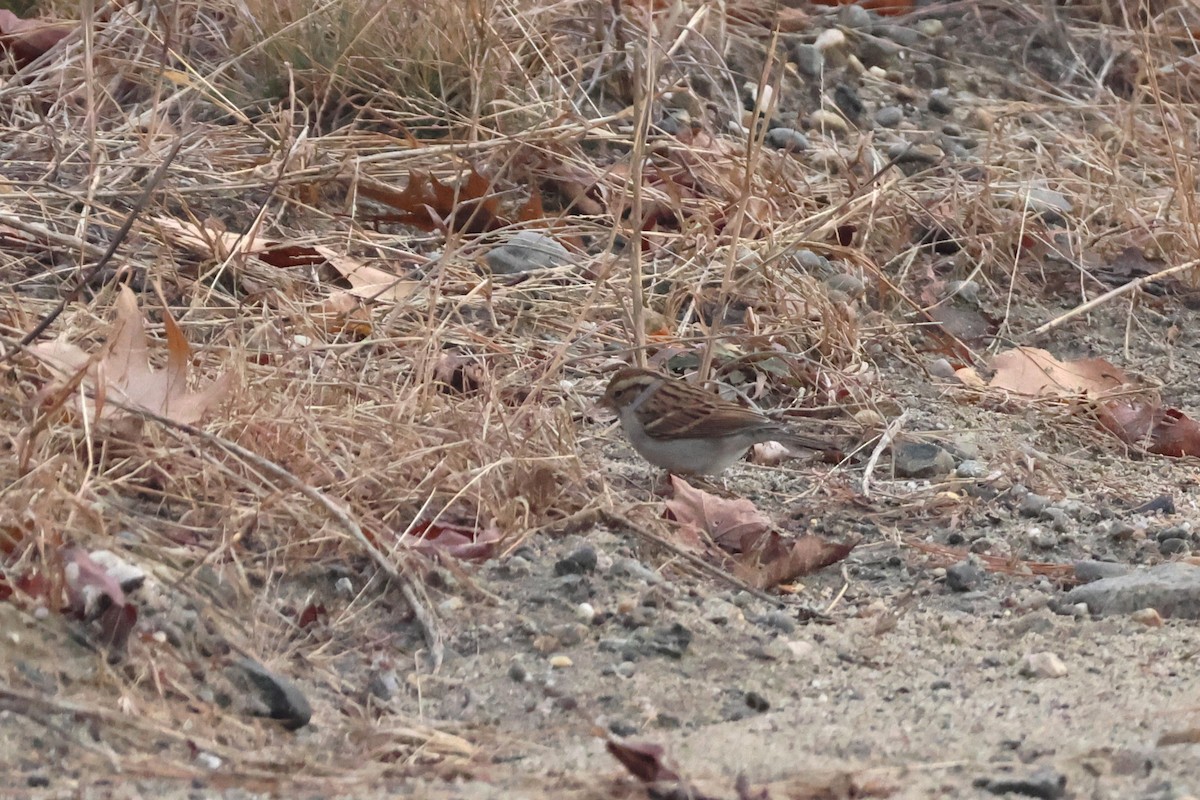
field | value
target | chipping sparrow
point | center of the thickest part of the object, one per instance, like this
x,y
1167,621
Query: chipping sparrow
x,y
688,431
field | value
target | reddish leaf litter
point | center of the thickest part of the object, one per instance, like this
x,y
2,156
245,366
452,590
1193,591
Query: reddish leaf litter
x,y
760,555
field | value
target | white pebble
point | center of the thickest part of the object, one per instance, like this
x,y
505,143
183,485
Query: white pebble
x,y
830,39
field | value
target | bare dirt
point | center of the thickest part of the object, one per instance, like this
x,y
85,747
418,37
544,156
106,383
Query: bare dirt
x,y
902,684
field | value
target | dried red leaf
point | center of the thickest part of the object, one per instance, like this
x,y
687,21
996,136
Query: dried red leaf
x,y
764,557
643,760
27,39
462,541
733,523
93,594
311,613
805,556
1140,421
1035,372
429,204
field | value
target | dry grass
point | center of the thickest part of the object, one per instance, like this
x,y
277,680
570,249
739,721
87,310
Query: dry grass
x,y
286,110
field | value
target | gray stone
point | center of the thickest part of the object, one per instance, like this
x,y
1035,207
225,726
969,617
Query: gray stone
x,y
524,251
846,284
1174,547
873,52
921,460
900,34
283,699
1087,571
855,16
965,576
808,59
889,116
971,470
1172,589
940,103
789,139
905,153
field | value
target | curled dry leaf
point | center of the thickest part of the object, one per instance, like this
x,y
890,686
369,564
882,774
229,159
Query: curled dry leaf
x,y
366,282
735,524
762,557
463,541
1134,417
1035,372
122,368
94,594
27,39
644,760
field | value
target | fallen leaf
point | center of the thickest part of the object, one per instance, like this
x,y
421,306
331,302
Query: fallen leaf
x,y
369,283
366,282
122,368
805,556
463,541
1035,372
94,595
733,523
761,556
644,760
27,39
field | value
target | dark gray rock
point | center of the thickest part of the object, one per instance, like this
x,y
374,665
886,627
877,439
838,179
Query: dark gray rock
x,y
283,699
921,460
1045,784
578,562
964,576
525,251
1172,589
788,139
889,116
808,59
1089,571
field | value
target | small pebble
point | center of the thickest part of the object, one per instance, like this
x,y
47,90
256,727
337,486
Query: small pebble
x,y
585,613
626,669
517,672
825,120
940,103
1043,665
971,470
208,761
808,59
889,116
344,587
964,576
787,139
830,39
1174,547
1148,617
561,662
931,27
